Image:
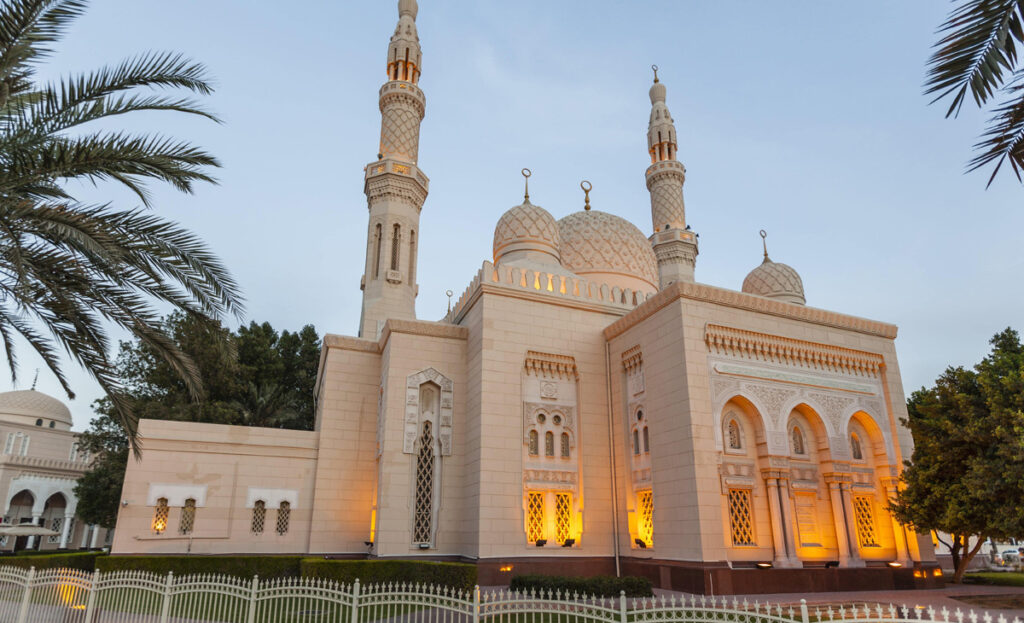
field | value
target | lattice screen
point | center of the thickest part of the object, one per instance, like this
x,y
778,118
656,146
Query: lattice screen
x,y
733,432
563,516
741,517
188,517
864,515
534,517
55,524
645,516
424,487
259,516
160,516
534,449
284,513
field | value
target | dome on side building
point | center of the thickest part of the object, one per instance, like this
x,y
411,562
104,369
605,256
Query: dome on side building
x,y
34,404
775,281
605,248
526,232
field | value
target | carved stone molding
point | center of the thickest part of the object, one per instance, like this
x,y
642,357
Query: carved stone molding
x,y
414,415
632,358
549,477
771,399
745,344
567,413
549,365
834,406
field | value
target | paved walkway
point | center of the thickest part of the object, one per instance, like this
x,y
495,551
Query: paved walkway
x,y
936,598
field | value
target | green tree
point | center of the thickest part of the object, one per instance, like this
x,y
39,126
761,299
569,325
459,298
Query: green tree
x,y
69,270
99,490
966,474
977,55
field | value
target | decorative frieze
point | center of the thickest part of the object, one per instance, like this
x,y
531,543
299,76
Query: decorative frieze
x,y
765,347
549,365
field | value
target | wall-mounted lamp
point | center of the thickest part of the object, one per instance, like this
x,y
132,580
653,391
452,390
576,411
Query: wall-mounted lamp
x,y
368,543
569,543
424,545
937,573
640,543
832,564
894,564
764,565
505,568
124,502
541,542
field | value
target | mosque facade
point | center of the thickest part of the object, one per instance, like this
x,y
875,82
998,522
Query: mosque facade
x,y
585,407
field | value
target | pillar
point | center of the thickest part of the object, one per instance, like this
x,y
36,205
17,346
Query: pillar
x,y
899,531
846,494
36,519
839,522
789,522
93,544
65,531
85,536
781,558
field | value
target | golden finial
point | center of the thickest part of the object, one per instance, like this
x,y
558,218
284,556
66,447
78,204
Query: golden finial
x,y
526,194
586,186
655,68
35,379
764,242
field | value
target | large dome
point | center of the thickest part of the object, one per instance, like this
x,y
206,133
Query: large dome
x,y
776,281
608,249
526,232
34,404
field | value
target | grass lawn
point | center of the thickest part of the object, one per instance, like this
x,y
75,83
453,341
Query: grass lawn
x,y
995,578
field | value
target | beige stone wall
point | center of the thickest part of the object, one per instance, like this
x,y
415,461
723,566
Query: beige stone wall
x,y
224,462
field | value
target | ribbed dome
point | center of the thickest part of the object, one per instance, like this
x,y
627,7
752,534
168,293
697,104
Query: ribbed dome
x,y
776,281
526,232
608,249
36,404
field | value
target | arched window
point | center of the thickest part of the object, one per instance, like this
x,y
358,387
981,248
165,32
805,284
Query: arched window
x,y
259,516
52,424
424,516
855,449
534,443
732,432
396,238
74,453
39,422
636,442
565,445
647,442
549,444
376,251
412,256
24,444
9,446
188,517
160,516
284,512
797,438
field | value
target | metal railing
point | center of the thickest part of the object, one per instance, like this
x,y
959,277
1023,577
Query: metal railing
x,y
71,596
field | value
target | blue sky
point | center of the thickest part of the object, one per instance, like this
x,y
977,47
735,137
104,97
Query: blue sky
x,y
805,118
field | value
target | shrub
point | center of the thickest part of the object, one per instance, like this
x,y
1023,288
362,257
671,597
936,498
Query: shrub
x,y
454,574
598,586
238,566
85,561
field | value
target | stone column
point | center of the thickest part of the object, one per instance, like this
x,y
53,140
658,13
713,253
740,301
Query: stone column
x,y
95,537
848,554
771,482
36,517
899,531
789,522
846,493
65,531
85,536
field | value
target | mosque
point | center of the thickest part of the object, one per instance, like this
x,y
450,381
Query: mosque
x,y
585,407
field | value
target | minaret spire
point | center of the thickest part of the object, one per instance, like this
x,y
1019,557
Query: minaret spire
x,y
674,244
395,186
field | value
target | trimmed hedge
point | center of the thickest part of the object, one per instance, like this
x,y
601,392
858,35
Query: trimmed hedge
x,y
454,574
85,561
598,586
239,566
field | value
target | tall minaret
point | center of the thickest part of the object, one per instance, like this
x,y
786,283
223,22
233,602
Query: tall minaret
x,y
674,244
395,187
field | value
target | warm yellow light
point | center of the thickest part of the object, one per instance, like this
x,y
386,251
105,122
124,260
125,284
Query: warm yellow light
x,y
894,564
505,568
159,526
937,573
918,573
67,594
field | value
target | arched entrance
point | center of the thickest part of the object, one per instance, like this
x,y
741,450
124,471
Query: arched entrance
x,y
19,512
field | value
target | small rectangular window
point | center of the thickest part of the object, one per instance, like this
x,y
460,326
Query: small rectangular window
x,y
534,516
741,518
563,516
864,516
188,517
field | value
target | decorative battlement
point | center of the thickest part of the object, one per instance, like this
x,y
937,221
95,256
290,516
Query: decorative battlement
x,y
778,349
44,463
565,287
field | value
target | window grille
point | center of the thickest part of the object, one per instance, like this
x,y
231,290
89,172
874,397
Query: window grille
x,y
74,453
424,487
864,516
855,449
798,441
534,517
259,516
396,238
636,442
24,445
549,444
534,443
376,252
647,442
565,445
741,520
645,516
9,446
188,517
563,510
55,525
160,516
284,512
733,432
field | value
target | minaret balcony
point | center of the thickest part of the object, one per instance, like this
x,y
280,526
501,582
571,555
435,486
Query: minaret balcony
x,y
665,168
674,234
388,166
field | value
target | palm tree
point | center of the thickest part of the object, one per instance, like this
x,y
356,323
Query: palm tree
x,y
268,405
978,54
69,271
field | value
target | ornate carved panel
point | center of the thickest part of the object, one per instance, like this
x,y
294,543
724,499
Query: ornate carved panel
x,y
422,406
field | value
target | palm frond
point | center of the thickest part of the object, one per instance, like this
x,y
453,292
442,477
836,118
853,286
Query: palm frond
x,y
979,44
1003,141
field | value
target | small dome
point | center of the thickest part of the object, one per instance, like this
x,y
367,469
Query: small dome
x,y
527,232
775,281
608,249
34,404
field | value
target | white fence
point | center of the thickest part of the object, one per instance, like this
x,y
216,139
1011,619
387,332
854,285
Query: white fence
x,y
70,596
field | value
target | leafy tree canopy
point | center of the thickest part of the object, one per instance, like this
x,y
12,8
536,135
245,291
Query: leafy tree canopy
x,y
966,474
254,376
